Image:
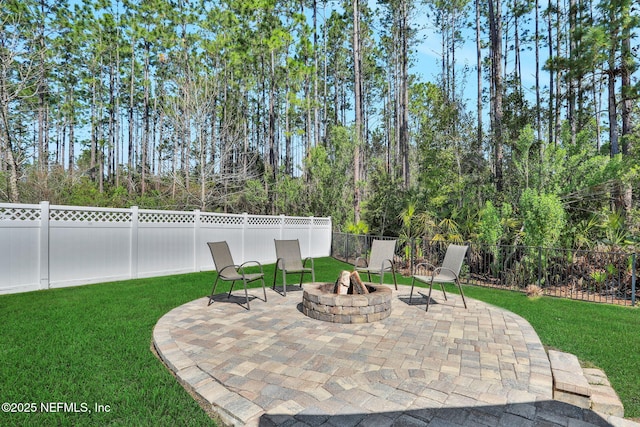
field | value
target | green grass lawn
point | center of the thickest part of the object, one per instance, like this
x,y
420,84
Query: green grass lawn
x,y
91,345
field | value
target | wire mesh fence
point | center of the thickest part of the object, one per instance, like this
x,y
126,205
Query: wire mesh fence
x,y
589,275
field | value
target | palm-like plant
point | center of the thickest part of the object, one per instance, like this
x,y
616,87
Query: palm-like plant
x,y
584,233
415,226
615,233
448,232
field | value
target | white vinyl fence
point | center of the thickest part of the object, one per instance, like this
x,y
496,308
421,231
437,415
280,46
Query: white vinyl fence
x,y
46,246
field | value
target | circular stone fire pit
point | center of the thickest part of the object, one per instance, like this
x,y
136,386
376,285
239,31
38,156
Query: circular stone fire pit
x,y
319,302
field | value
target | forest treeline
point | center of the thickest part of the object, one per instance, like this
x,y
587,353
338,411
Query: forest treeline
x,y
312,108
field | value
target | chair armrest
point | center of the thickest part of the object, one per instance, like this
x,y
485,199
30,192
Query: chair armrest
x,y
355,264
384,261
440,269
425,264
304,263
221,272
248,263
278,267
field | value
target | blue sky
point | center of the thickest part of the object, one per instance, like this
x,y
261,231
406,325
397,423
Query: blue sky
x,y
428,55
428,59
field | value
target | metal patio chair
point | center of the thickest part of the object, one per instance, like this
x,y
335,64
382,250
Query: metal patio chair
x,y
227,270
290,261
449,272
380,260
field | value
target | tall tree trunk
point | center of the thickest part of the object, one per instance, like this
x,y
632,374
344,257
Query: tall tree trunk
x,y
611,80
246,138
316,100
357,87
287,133
116,107
389,121
145,135
112,123
495,20
174,161
596,93
203,162
538,98
571,96
557,89
626,64
551,124
478,147
160,169
14,193
61,141
94,130
516,38
273,149
627,106
612,109
130,163
404,93
397,107
325,86
72,138
100,158
43,154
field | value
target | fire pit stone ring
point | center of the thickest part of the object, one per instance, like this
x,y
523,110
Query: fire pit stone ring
x,y
319,302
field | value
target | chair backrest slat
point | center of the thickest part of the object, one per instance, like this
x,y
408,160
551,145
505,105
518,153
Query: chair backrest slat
x,y
221,256
454,258
289,251
381,250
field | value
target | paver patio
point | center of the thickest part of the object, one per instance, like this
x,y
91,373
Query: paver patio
x,y
272,365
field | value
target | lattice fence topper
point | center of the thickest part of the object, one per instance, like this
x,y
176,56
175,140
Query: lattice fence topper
x,y
19,214
166,218
89,216
325,222
297,221
214,219
264,220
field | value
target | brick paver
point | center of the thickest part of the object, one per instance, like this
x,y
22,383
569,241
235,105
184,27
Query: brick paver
x,y
450,366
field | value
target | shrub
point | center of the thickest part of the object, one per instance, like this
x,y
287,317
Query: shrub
x,y
544,218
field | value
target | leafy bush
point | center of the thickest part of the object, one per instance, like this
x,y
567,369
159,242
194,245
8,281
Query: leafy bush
x,y
490,228
544,218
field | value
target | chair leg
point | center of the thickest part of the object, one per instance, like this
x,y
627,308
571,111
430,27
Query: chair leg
x,y
246,293
461,293
284,282
213,291
443,292
413,282
264,289
275,276
429,297
393,272
231,289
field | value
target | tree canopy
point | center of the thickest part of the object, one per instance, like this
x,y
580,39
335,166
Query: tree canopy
x,y
317,108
